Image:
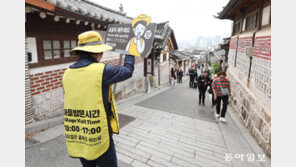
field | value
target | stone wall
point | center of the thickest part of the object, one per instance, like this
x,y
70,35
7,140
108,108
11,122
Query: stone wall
x,y
251,96
134,85
165,69
165,73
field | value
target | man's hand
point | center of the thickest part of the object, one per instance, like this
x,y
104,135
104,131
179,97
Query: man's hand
x,y
215,97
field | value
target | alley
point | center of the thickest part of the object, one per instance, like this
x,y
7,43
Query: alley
x,y
166,127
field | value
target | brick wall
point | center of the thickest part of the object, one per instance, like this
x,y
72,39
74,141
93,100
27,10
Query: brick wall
x,y
46,81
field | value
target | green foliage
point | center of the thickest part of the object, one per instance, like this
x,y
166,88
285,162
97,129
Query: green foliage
x,y
195,50
215,69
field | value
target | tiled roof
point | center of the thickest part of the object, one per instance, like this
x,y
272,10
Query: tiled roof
x,y
162,35
219,54
92,10
230,5
180,55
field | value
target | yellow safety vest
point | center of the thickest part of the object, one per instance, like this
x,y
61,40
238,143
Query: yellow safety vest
x,y
86,125
133,48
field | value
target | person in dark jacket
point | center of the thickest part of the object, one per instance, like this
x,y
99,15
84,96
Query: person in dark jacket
x,y
173,76
180,75
192,74
203,82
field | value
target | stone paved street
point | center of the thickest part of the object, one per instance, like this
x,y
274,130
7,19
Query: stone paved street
x,y
166,127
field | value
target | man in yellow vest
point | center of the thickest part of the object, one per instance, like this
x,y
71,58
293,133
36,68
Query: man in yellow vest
x,y
89,107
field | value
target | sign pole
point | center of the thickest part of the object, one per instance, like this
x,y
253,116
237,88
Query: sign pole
x,y
120,60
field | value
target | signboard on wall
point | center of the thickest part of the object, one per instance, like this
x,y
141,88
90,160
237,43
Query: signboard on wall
x,y
134,39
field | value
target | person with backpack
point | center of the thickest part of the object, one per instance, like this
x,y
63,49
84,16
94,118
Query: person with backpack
x,y
222,92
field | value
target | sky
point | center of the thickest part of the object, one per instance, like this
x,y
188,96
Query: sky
x,y
188,18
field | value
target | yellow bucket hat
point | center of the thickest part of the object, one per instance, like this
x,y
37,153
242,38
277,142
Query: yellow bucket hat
x,y
90,41
142,17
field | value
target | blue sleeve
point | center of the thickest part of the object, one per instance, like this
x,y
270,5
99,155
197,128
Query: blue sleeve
x,y
114,74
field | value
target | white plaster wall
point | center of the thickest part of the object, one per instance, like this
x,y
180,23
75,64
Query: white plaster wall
x,y
265,15
32,47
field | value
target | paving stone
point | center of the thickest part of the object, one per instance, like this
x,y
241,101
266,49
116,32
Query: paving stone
x,y
145,138
131,154
164,138
210,152
157,148
40,137
212,160
123,141
183,162
155,164
125,137
124,158
136,163
163,162
154,152
134,150
191,160
170,144
177,150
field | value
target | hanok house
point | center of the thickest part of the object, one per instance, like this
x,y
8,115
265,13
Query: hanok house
x,y
181,60
249,65
52,28
157,64
224,46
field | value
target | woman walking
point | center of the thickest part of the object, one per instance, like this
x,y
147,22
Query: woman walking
x,y
222,92
211,90
173,77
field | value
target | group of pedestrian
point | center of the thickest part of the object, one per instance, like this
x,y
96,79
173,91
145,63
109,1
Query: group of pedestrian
x,y
176,74
218,86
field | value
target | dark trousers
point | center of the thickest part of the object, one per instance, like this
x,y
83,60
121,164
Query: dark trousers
x,y
202,95
224,108
180,79
108,159
191,82
213,100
